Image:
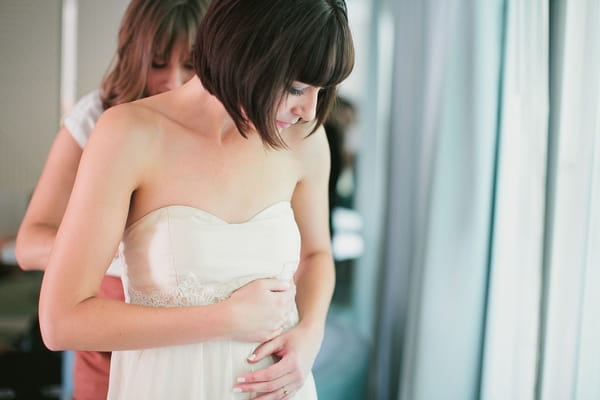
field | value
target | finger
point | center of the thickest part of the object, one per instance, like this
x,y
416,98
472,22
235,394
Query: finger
x,y
275,387
266,349
281,394
271,373
285,392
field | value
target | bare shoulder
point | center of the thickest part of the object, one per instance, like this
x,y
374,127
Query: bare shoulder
x,y
128,129
311,149
125,123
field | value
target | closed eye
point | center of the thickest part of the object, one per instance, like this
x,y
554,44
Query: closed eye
x,y
187,63
158,64
295,91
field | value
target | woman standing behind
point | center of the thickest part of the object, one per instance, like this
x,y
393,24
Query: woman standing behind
x,y
214,188
153,56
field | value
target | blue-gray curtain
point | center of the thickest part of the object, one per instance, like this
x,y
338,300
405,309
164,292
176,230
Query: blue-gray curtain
x,y
489,240
442,161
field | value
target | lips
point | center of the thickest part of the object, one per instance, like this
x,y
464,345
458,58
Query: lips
x,y
283,125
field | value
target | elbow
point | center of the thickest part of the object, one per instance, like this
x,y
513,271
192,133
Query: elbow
x,y
50,343
54,329
21,254
28,249
53,336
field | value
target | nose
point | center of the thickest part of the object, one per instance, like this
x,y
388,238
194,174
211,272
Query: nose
x,y
307,106
174,78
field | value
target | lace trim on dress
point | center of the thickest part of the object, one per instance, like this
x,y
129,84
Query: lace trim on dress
x,y
191,291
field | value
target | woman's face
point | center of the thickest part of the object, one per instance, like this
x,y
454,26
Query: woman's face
x,y
300,102
168,73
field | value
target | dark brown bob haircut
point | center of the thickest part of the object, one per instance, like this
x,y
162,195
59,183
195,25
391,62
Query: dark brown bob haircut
x,y
249,52
150,28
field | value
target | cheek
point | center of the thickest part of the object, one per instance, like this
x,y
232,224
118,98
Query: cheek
x,y
187,74
152,82
283,108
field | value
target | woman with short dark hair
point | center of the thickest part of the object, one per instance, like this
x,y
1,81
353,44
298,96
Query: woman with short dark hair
x,y
219,193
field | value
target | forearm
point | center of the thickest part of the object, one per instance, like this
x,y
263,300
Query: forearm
x,y
33,246
315,282
108,325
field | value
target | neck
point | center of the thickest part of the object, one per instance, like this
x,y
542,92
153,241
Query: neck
x,y
204,112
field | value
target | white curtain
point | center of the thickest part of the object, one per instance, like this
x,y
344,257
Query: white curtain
x,y
442,159
570,341
490,266
516,263
543,315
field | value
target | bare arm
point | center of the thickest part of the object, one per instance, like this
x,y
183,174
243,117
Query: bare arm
x,y
116,162
315,279
48,203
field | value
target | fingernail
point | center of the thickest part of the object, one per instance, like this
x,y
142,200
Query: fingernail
x,y
237,390
251,357
241,380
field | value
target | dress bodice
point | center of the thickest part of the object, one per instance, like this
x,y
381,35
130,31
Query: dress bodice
x,y
184,256
180,255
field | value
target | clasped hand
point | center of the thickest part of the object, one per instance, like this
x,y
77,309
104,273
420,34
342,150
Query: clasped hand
x,y
296,351
261,309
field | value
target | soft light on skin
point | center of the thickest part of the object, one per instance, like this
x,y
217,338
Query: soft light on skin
x,y
169,73
300,102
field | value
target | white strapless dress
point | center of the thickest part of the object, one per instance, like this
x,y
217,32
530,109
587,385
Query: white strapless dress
x,y
183,256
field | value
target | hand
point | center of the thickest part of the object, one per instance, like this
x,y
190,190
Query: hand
x,y
296,351
260,309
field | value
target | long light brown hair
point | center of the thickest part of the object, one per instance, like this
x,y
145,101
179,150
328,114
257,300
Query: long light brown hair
x,y
149,28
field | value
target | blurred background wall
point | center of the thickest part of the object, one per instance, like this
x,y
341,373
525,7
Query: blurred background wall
x,y
32,50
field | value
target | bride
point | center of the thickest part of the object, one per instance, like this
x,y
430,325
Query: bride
x,y
218,190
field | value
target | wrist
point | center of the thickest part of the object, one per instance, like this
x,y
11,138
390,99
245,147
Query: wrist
x,y
312,327
224,320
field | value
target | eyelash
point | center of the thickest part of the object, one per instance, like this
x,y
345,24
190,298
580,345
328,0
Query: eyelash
x,y
296,92
299,92
158,65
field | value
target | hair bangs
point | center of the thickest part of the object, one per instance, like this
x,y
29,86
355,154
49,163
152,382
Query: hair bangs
x,y
179,25
327,52
327,56
249,62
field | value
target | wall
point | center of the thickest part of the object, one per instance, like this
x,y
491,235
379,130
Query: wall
x,y
30,77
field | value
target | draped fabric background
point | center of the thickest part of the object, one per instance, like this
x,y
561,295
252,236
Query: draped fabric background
x,y
516,262
569,351
490,262
442,153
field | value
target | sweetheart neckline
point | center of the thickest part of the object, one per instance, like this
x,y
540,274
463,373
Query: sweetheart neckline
x,y
207,213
